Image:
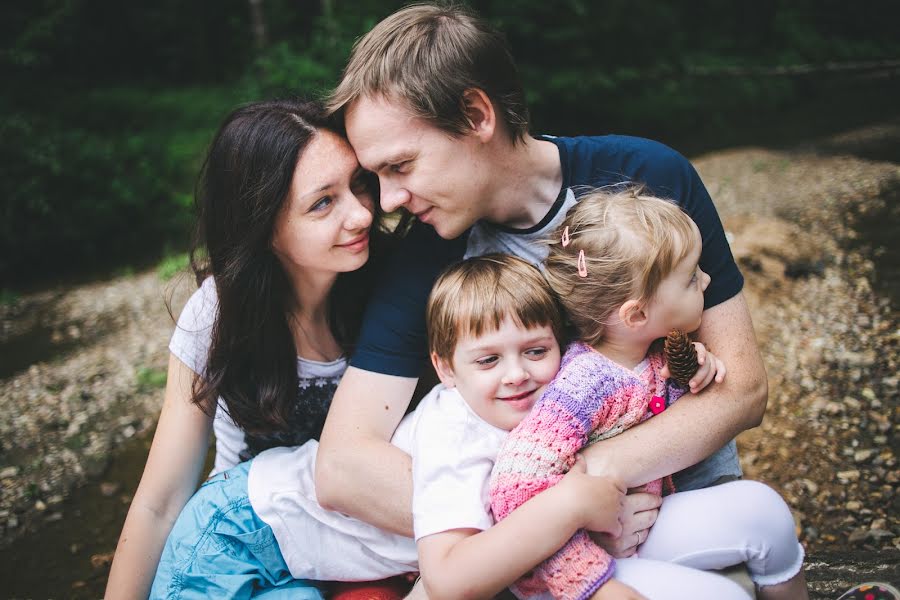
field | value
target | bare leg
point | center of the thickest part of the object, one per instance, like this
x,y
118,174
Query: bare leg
x,y
792,589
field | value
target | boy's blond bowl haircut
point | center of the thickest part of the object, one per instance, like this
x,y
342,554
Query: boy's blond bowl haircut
x,y
474,296
426,56
631,242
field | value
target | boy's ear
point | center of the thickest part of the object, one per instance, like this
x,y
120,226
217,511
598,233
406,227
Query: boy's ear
x,y
632,314
443,369
480,113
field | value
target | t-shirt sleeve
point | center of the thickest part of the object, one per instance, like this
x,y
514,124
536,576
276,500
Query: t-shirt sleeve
x,y
670,175
193,333
451,472
393,339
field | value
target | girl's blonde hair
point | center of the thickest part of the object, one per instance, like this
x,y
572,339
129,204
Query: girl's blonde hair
x,y
474,296
631,242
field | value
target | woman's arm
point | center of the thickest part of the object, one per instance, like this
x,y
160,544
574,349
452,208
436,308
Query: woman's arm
x,y
697,425
170,477
358,471
467,563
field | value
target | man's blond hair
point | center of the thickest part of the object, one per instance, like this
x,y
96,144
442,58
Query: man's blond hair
x,y
631,242
474,296
427,56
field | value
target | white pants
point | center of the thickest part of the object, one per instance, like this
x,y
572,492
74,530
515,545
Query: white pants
x,y
713,528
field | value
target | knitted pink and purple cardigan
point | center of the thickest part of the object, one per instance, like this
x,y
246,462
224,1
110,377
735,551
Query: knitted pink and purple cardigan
x,y
590,399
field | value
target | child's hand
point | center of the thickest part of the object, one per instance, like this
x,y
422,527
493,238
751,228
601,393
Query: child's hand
x,y
616,590
597,499
710,368
639,512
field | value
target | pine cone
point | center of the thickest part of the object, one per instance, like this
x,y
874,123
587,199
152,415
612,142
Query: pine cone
x,y
681,356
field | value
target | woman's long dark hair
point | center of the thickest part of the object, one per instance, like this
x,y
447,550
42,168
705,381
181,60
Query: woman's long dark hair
x,y
244,183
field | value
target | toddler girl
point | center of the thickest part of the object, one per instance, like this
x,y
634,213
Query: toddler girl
x,y
625,267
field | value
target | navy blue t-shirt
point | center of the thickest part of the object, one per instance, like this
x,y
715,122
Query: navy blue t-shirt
x,y
393,339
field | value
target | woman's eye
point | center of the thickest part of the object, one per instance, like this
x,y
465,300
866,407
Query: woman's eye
x,y
487,361
536,352
321,204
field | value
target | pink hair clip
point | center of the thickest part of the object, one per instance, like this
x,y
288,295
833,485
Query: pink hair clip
x,y
565,237
582,264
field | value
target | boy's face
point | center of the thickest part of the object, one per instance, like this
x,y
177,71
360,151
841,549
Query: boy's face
x,y
501,374
435,176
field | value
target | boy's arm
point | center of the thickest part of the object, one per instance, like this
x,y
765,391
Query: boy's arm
x,y
697,425
468,563
358,471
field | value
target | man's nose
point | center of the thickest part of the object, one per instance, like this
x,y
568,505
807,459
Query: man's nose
x,y
392,196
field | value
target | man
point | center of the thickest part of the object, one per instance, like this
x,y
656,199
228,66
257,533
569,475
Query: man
x,y
433,106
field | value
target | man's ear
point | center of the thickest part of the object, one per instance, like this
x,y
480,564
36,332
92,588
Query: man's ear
x,y
480,113
632,314
443,369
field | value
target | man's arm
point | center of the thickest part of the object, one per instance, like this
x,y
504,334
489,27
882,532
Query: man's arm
x,y
697,425
358,471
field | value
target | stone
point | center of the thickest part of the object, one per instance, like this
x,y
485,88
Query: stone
x,y
848,476
109,488
8,472
858,535
99,561
862,455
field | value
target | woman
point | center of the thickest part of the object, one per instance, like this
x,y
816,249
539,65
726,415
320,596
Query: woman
x,y
285,230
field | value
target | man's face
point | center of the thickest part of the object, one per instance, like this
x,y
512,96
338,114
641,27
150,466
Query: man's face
x,y
435,176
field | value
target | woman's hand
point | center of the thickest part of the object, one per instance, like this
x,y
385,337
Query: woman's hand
x,y
616,590
599,499
639,512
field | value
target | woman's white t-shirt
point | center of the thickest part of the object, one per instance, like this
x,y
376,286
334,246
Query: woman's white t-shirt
x,y
317,383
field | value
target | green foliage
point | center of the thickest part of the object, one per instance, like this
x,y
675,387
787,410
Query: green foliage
x,y
103,179
172,265
108,105
149,379
8,297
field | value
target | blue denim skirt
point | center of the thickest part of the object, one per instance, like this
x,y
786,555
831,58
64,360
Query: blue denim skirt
x,y
220,548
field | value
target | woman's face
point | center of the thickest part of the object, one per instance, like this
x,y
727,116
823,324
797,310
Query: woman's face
x,y
324,224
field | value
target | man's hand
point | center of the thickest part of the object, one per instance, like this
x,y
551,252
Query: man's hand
x,y
639,512
616,590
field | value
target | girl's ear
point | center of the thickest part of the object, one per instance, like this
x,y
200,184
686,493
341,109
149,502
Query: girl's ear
x,y
632,314
480,113
443,369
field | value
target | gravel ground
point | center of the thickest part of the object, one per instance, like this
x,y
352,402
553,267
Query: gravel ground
x,y
830,341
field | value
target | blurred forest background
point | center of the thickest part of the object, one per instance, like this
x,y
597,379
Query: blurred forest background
x,y
108,105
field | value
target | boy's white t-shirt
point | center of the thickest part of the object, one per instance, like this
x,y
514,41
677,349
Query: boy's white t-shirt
x,y
453,451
